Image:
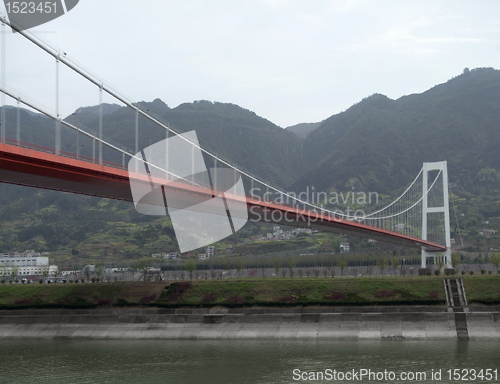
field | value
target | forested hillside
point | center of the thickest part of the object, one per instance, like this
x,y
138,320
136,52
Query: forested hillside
x,y
376,145
380,144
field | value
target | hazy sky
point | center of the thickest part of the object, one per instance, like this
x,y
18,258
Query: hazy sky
x,y
288,61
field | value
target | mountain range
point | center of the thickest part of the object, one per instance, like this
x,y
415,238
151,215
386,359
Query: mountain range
x,y
378,144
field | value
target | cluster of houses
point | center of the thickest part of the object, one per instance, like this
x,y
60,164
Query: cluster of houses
x,y
209,252
170,256
27,263
487,232
278,234
27,253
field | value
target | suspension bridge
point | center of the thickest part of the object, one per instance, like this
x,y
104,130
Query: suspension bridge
x,y
419,217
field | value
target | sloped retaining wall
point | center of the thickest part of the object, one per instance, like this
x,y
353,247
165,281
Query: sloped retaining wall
x,y
389,323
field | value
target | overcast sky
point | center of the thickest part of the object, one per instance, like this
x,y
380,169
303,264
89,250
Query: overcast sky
x,y
288,61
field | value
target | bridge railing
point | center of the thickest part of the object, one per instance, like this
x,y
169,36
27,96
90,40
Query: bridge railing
x,y
62,153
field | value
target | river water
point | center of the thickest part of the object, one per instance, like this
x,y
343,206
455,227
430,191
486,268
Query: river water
x,y
244,362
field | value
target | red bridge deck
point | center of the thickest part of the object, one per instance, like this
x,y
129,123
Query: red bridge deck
x,y
33,166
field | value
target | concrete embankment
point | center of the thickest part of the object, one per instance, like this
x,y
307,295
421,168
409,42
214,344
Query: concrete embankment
x,y
389,323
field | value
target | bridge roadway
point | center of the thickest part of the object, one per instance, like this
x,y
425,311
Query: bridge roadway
x,y
34,166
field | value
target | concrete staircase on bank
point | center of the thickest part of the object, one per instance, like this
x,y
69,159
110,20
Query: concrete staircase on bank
x,y
457,302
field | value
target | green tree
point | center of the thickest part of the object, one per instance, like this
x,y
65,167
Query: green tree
x,y
382,264
239,264
277,263
342,265
395,263
142,265
455,260
329,263
263,271
495,259
99,270
13,272
85,272
227,263
291,265
191,267
488,176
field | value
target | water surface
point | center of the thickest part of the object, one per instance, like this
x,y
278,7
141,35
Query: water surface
x,y
241,362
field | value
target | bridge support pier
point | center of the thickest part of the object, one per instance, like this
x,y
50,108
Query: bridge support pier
x,y
58,120
444,208
2,82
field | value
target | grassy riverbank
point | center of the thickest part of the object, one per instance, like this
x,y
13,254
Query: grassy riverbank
x,y
308,292
482,289
258,292
78,295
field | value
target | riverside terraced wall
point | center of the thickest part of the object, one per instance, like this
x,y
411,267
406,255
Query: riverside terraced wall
x,y
389,323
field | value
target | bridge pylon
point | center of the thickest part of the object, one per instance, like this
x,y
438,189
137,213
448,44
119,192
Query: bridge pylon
x,y
444,208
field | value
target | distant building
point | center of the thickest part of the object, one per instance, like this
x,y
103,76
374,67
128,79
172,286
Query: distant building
x,y
26,264
399,227
202,256
345,247
31,253
210,251
487,232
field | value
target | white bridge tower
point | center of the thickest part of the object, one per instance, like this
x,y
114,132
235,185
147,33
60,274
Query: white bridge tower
x,y
428,211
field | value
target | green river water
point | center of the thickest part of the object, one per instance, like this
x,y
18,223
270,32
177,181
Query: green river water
x,y
246,362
